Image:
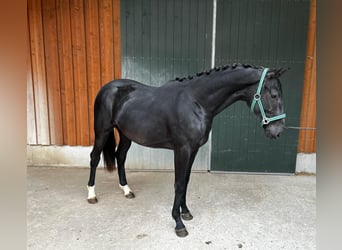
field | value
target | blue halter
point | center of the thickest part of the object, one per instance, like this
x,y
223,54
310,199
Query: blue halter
x,y
257,99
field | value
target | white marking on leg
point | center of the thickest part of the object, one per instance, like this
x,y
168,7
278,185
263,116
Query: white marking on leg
x,y
126,189
91,192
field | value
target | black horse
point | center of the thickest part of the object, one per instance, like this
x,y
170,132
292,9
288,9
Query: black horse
x,y
178,116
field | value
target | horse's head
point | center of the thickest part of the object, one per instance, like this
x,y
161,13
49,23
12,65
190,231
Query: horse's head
x,y
268,103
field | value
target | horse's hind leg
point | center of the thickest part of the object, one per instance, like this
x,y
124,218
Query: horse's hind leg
x,y
100,140
120,155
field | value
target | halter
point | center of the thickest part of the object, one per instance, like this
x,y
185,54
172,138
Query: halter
x,y
257,99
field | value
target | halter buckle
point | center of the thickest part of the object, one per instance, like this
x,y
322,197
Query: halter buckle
x,y
265,121
257,97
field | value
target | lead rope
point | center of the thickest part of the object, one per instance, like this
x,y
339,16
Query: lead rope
x,y
300,128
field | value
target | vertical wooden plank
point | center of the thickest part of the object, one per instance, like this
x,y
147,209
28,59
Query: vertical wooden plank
x,y
31,115
93,58
38,71
106,40
117,39
52,70
311,144
79,72
66,72
307,138
68,38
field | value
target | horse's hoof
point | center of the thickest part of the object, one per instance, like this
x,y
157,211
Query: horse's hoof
x,y
187,216
181,232
130,195
92,200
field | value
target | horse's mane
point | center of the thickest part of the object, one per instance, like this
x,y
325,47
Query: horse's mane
x,y
218,68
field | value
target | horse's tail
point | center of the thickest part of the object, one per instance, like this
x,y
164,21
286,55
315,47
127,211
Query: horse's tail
x,y
109,152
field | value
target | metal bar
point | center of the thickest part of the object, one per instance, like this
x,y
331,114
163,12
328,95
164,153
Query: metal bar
x,y
300,128
213,41
213,34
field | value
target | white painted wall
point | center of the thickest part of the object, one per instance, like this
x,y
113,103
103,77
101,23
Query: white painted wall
x,y
64,156
138,158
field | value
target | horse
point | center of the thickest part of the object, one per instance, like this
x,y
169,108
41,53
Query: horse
x,y
178,116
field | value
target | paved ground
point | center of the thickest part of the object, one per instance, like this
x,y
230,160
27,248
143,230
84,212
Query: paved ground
x,y
231,211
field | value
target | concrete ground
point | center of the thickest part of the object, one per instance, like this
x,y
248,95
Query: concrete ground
x,y
231,211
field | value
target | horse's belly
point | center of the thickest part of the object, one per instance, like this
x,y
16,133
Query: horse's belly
x,y
148,138
146,132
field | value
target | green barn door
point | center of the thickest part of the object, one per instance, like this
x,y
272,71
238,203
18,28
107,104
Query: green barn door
x,y
162,40
268,33
165,39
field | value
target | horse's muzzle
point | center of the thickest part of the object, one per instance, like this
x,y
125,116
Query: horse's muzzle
x,y
274,130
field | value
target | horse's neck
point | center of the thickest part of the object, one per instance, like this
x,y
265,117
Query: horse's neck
x,y
218,90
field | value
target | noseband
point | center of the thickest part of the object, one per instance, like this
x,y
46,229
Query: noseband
x,y
257,99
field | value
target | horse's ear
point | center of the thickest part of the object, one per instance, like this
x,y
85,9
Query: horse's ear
x,y
277,72
282,71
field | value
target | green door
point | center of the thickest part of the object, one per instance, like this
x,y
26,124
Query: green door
x,y
165,39
268,33
162,40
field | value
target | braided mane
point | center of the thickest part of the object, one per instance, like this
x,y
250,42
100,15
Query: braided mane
x,y
218,68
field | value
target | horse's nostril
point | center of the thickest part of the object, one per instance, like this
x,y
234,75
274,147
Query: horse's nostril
x,y
278,135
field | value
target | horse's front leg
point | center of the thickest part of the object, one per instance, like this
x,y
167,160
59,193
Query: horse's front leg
x,y
186,215
182,159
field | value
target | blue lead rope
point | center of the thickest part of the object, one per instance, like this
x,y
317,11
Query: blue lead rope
x,y
257,99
